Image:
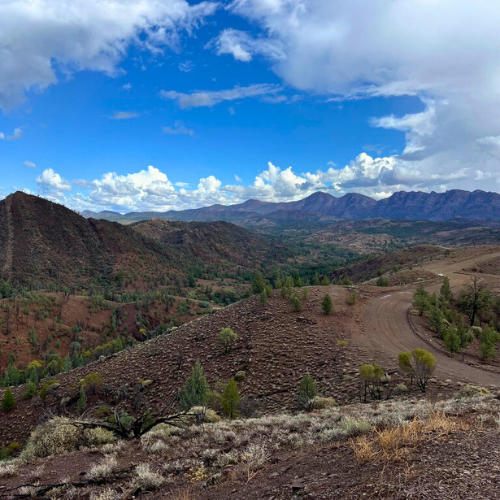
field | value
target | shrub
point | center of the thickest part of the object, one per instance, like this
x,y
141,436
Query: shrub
x,y
307,391
227,337
371,376
382,281
31,390
295,301
231,399
471,391
58,436
8,400
327,304
419,364
145,479
195,390
351,300
319,403
104,469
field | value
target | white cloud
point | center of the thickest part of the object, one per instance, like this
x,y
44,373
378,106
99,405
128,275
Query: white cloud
x,y
127,86
151,190
124,115
15,136
177,129
445,54
42,36
52,185
211,98
186,66
243,47
29,164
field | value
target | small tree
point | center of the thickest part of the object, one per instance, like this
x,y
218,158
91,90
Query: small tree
x,y
227,337
327,304
8,400
487,343
307,391
451,339
231,399
82,400
421,299
371,376
295,301
474,299
419,364
195,390
445,292
437,320
258,282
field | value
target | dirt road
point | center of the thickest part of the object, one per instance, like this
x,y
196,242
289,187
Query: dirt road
x,y
386,332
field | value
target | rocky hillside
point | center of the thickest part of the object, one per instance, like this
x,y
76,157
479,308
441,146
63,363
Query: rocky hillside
x,y
43,242
477,205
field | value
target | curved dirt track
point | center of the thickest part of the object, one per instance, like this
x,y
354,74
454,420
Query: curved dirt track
x,y
386,332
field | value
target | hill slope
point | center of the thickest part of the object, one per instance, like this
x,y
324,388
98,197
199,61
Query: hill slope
x,y
42,242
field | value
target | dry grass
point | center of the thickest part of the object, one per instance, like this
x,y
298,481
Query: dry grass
x,y
393,443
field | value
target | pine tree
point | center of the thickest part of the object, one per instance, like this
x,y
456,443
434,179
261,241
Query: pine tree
x,y
195,390
8,401
82,400
327,304
231,399
445,292
451,339
421,299
296,305
307,390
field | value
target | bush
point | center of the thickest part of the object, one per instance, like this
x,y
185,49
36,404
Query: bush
x,y
382,281
307,391
319,403
295,301
8,400
327,304
195,390
471,391
231,399
351,300
227,337
59,436
419,364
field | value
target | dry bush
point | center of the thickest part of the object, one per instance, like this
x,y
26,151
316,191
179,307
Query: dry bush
x,y
104,469
59,436
146,479
393,442
8,469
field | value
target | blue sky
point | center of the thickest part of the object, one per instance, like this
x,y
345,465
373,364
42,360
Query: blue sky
x,y
156,105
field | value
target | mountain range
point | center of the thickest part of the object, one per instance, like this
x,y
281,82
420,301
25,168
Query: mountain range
x,y
323,207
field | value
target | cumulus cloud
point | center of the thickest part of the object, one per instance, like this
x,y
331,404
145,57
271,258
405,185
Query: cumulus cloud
x,y
15,136
177,129
151,189
52,185
29,164
211,98
345,50
38,41
124,115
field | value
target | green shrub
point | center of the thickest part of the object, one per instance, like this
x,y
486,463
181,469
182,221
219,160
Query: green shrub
x,y
227,337
419,364
231,399
8,400
295,301
327,304
307,391
195,390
